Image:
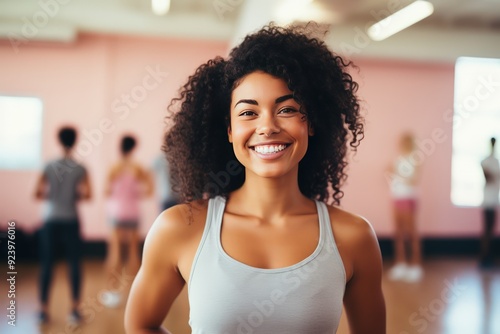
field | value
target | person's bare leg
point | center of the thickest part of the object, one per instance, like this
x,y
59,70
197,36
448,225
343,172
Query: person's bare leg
x,y
133,252
111,297
113,258
398,271
414,236
399,238
415,271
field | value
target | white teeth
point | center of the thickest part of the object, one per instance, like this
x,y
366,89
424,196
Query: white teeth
x,y
269,149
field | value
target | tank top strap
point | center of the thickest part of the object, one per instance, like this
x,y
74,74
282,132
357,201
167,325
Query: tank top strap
x,y
215,210
327,236
218,206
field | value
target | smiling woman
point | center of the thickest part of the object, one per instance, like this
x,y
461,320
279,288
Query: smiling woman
x,y
268,131
263,252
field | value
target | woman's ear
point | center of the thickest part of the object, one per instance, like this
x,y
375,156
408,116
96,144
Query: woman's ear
x,y
229,134
310,129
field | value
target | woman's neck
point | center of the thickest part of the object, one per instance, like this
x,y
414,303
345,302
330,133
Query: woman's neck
x,y
269,197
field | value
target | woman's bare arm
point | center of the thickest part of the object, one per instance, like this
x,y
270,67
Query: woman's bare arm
x,y
363,299
159,281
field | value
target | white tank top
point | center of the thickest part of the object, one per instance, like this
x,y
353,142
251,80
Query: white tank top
x,y
401,185
229,297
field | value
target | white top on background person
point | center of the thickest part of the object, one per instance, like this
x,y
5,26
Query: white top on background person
x,y
402,185
404,171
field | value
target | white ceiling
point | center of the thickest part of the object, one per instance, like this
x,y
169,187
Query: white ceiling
x,y
457,27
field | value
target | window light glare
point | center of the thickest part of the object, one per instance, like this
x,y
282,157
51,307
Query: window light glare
x,y
160,7
290,10
400,20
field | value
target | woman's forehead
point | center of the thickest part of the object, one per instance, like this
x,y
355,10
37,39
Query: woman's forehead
x,y
259,83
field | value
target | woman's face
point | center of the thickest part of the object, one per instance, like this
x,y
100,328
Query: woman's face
x,y
269,134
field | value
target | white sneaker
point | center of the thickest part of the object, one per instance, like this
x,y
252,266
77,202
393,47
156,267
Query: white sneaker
x,y
110,299
398,272
414,274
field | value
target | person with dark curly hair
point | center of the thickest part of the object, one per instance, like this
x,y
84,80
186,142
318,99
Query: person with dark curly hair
x,y
257,150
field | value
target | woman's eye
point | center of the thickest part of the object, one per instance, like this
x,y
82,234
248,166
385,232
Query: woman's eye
x,y
247,113
287,110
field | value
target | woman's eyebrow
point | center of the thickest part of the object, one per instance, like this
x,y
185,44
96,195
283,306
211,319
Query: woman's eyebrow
x,y
283,98
254,102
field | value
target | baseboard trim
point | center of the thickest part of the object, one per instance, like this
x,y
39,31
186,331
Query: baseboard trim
x,y
27,247
443,246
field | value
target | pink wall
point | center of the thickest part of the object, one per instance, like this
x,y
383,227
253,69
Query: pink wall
x,y
85,83
400,96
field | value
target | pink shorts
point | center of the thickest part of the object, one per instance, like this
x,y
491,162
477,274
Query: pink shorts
x,y
405,204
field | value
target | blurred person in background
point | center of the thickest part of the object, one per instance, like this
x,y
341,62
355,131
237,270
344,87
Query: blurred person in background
x,y
166,196
62,184
404,176
127,183
491,171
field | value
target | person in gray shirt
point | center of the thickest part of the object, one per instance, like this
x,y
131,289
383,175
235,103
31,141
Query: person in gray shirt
x,y
62,184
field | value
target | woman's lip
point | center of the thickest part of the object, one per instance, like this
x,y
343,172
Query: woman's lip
x,y
269,144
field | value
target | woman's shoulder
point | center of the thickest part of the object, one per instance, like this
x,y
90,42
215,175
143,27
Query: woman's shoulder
x,y
180,222
346,222
351,231
174,237
176,232
355,239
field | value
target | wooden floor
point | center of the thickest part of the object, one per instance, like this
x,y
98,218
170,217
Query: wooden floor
x,y
453,298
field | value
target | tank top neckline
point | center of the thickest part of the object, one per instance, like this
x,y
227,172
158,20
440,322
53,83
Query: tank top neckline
x,y
217,216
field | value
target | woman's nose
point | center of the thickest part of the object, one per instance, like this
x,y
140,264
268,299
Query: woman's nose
x,y
268,125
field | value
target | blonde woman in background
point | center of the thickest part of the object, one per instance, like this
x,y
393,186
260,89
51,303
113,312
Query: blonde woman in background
x,y
127,183
404,176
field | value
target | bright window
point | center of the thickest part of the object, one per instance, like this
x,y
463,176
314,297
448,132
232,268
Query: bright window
x,y
20,132
476,119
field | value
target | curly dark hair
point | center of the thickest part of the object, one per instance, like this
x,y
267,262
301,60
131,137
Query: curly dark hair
x,y
197,148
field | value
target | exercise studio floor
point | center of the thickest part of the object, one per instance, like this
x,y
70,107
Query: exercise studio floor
x,y
453,298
